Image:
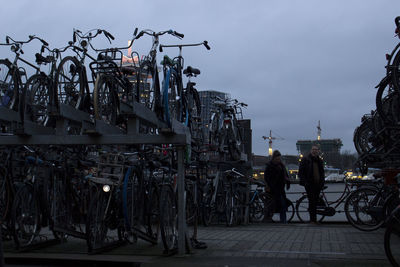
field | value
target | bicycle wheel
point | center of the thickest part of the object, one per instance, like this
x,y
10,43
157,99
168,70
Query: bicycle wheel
x,y
8,86
230,209
382,104
96,227
153,212
130,194
302,209
290,210
148,92
364,209
208,209
25,218
256,209
171,98
69,82
396,72
392,242
190,208
35,100
104,98
60,207
168,218
5,196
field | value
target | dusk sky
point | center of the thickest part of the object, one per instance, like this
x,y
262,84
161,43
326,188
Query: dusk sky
x,y
293,62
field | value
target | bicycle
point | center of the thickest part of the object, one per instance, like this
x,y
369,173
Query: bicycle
x,y
214,203
32,206
392,237
324,207
257,202
175,97
11,74
104,220
38,92
393,66
224,130
367,207
235,197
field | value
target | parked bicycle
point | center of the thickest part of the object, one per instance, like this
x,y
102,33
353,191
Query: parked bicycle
x,y
325,207
392,237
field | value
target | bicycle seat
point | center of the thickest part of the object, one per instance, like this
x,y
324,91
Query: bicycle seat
x,y
41,59
190,71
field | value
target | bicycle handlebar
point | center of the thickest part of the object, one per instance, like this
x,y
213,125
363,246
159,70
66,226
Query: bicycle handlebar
x,y
205,43
233,170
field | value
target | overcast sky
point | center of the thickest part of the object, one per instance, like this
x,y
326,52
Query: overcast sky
x,y
294,62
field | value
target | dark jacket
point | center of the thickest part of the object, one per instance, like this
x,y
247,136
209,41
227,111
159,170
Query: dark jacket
x,y
275,175
306,171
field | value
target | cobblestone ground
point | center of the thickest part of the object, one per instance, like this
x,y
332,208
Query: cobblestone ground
x,y
250,245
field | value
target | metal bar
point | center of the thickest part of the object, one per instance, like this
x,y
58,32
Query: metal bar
x,y
110,139
181,202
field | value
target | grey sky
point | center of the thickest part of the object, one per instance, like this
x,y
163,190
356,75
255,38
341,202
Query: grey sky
x,y
294,62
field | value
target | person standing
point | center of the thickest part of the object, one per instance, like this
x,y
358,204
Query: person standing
x,y
312,177
276,176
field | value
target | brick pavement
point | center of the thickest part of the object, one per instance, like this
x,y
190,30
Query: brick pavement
x,y
250,245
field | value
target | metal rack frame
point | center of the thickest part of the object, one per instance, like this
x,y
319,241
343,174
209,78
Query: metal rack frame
x,y
97,132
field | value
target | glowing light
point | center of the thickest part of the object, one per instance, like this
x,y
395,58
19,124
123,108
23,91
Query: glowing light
x,y
106,188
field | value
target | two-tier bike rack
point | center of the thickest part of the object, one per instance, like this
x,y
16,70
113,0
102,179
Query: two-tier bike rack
x,y
97,132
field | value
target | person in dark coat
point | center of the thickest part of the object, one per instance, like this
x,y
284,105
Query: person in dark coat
x,y
312,177
276,176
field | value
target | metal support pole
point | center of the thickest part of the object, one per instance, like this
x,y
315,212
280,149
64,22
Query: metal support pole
x,y
1,250
181,202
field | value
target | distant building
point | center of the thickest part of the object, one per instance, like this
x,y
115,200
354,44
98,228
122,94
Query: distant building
x,y
330,150
291,162
207,104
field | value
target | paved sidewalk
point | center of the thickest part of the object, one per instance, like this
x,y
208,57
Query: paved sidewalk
x,y
250,245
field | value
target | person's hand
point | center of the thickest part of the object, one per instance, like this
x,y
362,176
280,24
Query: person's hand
x,y
287,186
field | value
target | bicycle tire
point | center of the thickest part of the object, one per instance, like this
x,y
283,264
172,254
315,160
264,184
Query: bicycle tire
x,y
302,210
256,209
230,209
357,208
171,98
190,208
379,99
153,212
392,242
26,217
104,99
9,86
149,95
69,87
289,213
396,71
35,100
60,207
130,201
5,196
168,218
208,210
96,228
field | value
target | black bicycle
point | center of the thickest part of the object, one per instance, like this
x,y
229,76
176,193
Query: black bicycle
x,y
12,75
392,237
